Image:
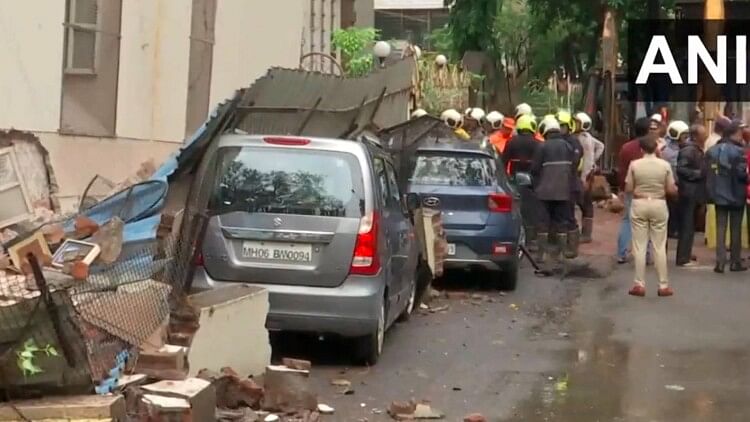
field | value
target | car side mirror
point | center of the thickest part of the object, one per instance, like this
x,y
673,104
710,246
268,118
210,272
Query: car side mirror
x,y
522,179
412,202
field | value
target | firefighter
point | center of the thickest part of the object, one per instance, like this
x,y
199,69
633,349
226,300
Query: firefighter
x,y
523,109
473,121
517,156
592,151
567,127
455,121
501,130
418,113
550,170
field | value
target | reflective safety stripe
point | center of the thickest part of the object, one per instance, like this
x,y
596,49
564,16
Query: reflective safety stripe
x,y
557,163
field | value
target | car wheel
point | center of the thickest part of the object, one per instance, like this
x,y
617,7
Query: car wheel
x,y
409,309
509,277
369,348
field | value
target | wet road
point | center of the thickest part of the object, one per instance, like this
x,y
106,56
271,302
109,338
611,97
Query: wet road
x,y
573,350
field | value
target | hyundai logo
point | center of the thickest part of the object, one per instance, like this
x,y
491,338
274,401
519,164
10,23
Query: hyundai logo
x,y
431,202
277,222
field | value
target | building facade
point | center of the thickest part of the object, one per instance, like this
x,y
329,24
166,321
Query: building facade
x,y
410,20
108,84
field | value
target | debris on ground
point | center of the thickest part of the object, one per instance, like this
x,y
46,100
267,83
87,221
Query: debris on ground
x,y
475,417
343,386
411,410
325,409
287,390
674,387
302,365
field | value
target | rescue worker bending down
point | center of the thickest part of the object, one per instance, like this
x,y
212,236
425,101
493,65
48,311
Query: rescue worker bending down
x,y
455,121
473,120
567,127
551,171
517,157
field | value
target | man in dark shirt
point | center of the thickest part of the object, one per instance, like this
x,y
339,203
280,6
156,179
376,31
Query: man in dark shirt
x,y
691,181
629,152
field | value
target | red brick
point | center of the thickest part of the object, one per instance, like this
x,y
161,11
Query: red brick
x,y
85,227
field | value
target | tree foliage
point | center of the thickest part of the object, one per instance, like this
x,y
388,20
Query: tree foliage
x,y
354,44
537,36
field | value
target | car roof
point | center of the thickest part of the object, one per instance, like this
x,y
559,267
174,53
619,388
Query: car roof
x,y
446,145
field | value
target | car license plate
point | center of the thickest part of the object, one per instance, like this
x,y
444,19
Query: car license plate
x,y
272,251
451,249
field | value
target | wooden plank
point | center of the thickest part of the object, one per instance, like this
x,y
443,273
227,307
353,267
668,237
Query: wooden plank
x,y
61,408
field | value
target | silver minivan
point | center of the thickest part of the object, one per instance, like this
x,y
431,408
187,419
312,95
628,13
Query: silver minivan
x,y
322,225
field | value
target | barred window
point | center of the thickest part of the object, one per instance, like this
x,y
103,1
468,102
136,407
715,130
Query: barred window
x,y
81,36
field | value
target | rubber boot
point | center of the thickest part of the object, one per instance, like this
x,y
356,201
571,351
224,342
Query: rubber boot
x,y
571,244
555,243
587,229
542,249
532,243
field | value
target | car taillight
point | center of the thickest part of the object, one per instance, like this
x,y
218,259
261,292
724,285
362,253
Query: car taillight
x,y
199,260
285,140
365,260
500,202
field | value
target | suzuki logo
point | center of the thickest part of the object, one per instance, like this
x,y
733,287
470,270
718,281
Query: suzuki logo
x,y
431,202
277,222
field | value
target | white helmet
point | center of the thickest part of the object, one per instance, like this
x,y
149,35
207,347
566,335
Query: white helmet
x,y
495,119
676,128
548,124
522,109
475,113
452,118
585,121
656,117
418,113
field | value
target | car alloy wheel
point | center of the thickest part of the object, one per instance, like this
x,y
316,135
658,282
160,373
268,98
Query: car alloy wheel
x,y
412,298
521,242
381,329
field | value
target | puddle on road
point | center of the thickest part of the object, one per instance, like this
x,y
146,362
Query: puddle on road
x,y
607,380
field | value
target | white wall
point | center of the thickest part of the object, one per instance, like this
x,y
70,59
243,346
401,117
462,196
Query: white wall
x,y
252,36
31,42
154,61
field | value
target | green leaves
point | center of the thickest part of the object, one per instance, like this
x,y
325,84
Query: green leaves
x,y
354,44
26,355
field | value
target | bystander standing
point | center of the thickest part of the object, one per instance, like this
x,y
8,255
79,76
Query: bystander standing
x,y
727,187
691,180
650,181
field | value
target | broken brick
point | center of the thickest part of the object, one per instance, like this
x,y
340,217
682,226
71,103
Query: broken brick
x,y
288,390
475,417
167,363
85,227
109,239
79,270
302,365
402,408
53,233
233,392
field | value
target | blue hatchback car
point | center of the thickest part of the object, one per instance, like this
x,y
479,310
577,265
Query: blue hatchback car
x,y
480,208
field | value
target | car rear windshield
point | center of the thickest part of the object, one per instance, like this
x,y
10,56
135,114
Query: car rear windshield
x,y
454,170
287,181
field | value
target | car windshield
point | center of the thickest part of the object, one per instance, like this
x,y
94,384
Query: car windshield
x,y
288,181
454,170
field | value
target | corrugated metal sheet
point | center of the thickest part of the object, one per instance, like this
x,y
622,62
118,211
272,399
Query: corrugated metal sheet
x,y
279,102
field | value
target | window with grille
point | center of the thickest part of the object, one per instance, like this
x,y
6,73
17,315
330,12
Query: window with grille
x,y
81,36
16,206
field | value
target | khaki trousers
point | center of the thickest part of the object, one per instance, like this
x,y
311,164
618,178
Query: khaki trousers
x,y
648,220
